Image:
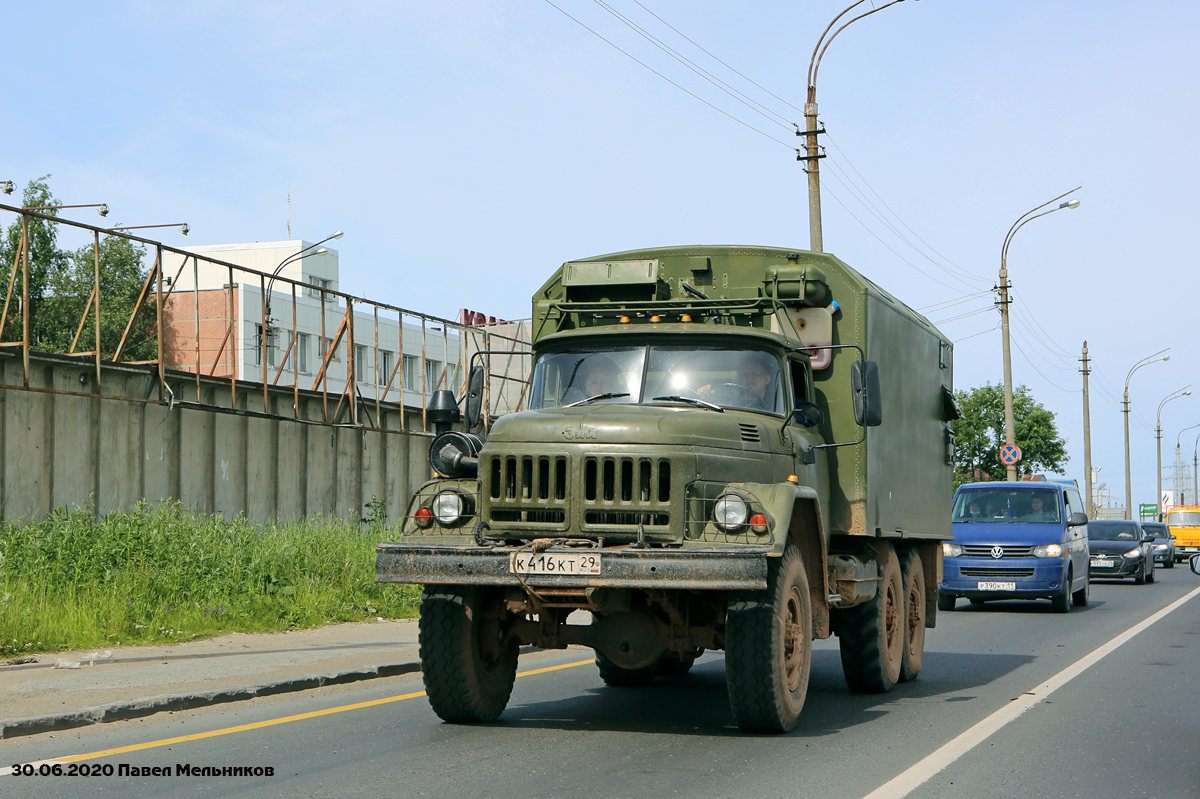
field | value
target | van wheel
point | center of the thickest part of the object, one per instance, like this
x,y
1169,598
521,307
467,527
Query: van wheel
x,y
912,577
946,601
871,635
1080,597
768,648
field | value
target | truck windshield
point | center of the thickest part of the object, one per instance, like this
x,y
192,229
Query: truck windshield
x,y
1183,518
743,378
1007,505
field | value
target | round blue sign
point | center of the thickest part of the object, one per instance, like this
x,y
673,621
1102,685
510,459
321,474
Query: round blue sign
x,y
1010,454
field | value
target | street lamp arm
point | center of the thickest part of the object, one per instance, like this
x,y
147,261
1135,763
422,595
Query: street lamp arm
x,y
1155,358
1181,432
812,62
1025,217
814,66
271,283
1183,392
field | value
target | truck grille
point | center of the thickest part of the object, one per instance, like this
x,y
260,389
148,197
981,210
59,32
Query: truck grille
x,y
614,492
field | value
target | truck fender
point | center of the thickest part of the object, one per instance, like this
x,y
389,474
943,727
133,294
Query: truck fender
x,y
795,515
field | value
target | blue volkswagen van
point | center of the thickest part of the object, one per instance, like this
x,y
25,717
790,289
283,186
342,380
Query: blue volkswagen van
x,y
1024,540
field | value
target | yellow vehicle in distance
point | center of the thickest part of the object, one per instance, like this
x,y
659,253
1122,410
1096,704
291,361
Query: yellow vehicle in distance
x,y
1184,521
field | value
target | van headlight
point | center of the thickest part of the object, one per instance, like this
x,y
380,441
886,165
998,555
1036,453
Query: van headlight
x,y
730,512
448,508
951,549
1048,551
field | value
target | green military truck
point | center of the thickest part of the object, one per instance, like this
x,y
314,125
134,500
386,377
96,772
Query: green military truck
x,y
729,448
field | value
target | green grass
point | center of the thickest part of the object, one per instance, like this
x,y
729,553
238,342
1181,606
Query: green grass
x,y
72,581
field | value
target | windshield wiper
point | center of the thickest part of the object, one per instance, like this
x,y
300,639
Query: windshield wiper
x,y
597,398
693,401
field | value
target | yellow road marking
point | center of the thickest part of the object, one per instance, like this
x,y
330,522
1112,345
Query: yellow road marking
x,y
272,722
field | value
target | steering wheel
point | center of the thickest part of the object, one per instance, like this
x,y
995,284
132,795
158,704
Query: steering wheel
x,y
739,395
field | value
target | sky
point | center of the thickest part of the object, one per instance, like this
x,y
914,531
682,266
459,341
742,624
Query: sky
x,y
469,147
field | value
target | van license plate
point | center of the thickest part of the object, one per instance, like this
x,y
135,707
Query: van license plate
x,y
554,563
986,586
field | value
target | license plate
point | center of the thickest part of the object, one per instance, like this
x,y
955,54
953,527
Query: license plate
x,y
1103,564
554,563
993,586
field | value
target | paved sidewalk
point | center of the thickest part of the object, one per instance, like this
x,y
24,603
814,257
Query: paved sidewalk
x,y
142,680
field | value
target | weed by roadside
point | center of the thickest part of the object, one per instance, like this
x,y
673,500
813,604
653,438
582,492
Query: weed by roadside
x,y
72,581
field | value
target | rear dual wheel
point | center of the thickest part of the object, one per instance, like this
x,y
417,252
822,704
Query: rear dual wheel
x,y
871,635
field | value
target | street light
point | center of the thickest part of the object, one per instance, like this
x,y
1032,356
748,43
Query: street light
x,y
815,242
1183,392
1155,358
1010,435
183,227
1195,472
1179,458
101,208
267,316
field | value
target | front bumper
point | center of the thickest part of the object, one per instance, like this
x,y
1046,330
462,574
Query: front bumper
x,y
1166,556
1122,567
1032,578
743,568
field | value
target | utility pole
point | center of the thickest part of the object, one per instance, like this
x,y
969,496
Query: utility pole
x,y
1087,436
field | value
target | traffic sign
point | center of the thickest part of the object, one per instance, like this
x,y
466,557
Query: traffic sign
x,y
1010,454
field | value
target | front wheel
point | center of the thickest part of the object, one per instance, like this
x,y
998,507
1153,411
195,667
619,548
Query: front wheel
x,y
468,662
1150,575
1140,579
871,635
946,601
1080,597
768,648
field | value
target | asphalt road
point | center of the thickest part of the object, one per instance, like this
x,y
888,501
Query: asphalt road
x,y
1074,706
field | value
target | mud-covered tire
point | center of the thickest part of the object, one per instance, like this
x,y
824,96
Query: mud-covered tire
x,y
871,635
1080,597
673,664
466,680
946,601
912,577
768,648
614,675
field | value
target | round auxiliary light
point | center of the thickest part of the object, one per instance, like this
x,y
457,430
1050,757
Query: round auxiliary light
x,y
423,517
656,318
448,508
624,320
730,512
758,523
687,317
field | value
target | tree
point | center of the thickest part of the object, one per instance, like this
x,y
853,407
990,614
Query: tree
x,y
46,260
61,283
979,434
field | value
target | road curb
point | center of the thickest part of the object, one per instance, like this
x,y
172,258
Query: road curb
x,y
138,708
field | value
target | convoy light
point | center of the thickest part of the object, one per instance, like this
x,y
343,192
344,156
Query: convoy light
x,y
1048,551
951,549
656,318
423,517
730,512
448,508
758,523
687,317
624,320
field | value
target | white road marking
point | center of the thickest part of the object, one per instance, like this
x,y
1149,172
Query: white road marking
x,y
907,781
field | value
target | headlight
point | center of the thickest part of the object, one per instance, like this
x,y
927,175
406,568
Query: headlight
x,y
1133,553
730,512
1048,551
448,508
951,550
1160,547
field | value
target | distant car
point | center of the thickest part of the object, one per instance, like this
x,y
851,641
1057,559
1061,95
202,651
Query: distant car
x,y
1120,549
1164,543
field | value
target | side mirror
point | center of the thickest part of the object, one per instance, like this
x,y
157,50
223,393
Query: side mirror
x,y
864,385
807,414
1195,564
1076,519
474,398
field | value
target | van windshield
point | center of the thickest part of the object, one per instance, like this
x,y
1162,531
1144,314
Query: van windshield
x,y
1022,505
